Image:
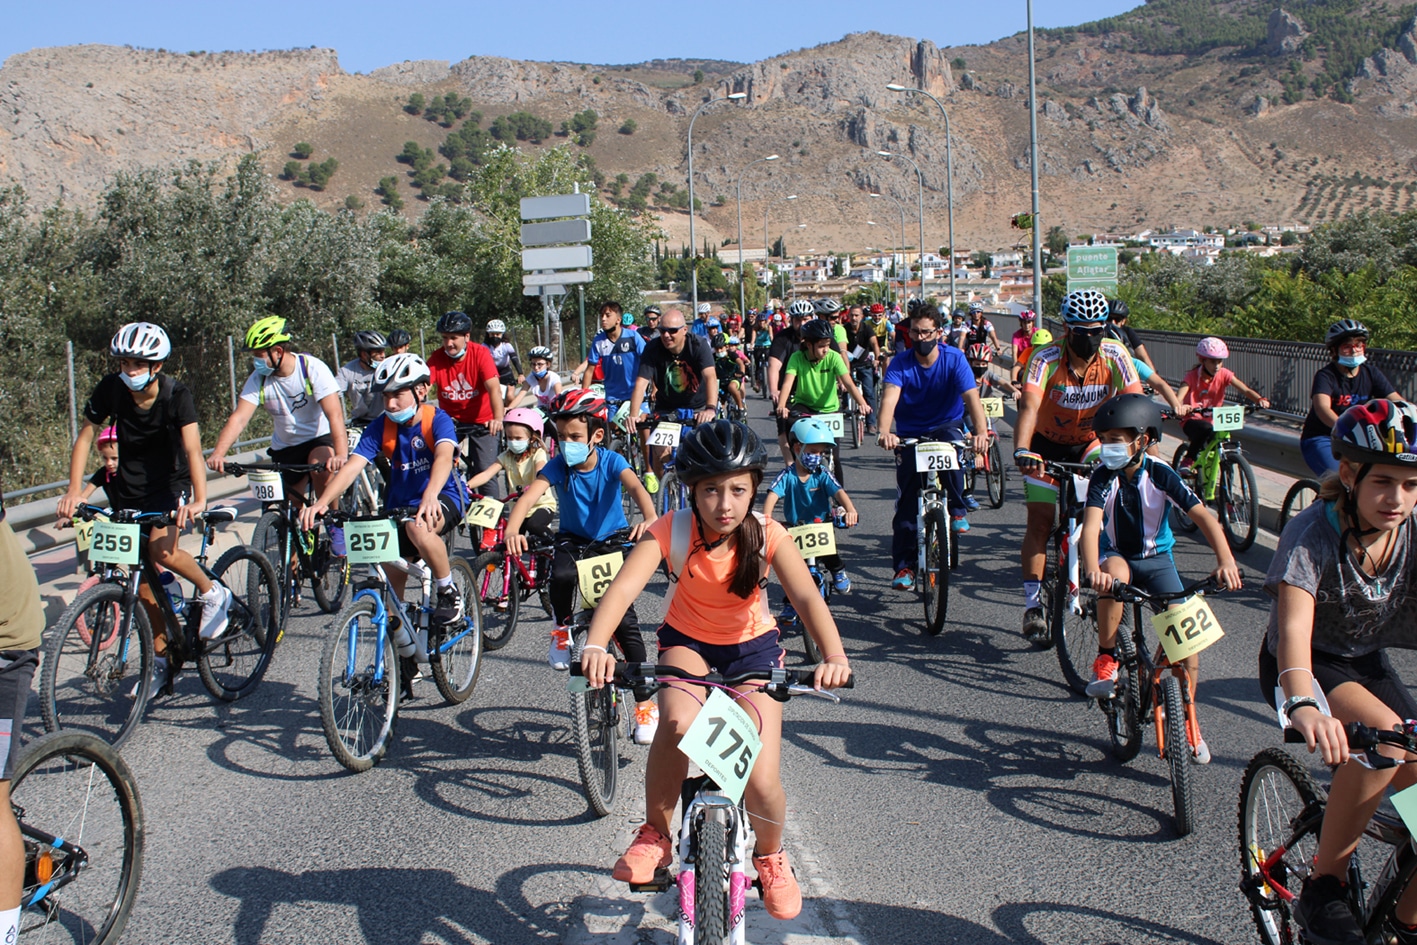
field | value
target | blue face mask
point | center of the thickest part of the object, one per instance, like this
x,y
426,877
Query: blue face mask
x,y
1116,455
137,382
539,374
401,416
1352,360
811,461
262,368
575,453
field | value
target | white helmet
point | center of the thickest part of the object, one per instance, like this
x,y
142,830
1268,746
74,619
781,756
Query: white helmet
x,y
142,340
496,327
704,308
802,307
400,372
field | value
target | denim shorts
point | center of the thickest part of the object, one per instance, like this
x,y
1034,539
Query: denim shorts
x,y
760,653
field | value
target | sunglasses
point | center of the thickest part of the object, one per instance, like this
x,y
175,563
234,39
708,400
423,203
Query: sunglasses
x,y
671,331
1087,332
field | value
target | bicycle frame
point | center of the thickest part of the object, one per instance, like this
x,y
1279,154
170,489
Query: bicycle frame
x,y
375,589
1068,530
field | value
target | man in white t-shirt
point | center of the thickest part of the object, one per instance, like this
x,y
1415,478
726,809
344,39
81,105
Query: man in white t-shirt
x,y
303,398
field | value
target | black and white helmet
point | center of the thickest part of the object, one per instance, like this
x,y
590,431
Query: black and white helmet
x,y
142,340
801,309
1340,332
1082,306
540,351
400,372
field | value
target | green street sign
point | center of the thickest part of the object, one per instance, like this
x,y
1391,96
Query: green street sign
x,y
1092,267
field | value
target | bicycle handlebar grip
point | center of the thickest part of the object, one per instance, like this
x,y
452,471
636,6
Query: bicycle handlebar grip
x,y
1292,736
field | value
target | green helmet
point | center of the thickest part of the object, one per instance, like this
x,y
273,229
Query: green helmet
x,y
266,333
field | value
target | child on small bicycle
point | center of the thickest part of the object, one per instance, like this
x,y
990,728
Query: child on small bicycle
x,y
159,467
420,442
718,619
808,491
588,479
1126,535
522,460
1202,389
1345,592
729,368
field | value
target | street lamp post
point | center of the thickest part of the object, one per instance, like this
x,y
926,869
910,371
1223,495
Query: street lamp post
x,y
742,309
890,292
904,283
767,249
693,245
920,180
1033,163
949,177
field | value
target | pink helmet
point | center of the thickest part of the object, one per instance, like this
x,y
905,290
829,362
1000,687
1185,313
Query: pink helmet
x,y
108,434
1212,348
527,418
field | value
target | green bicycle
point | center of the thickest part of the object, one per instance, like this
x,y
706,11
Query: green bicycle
x,y
1224,480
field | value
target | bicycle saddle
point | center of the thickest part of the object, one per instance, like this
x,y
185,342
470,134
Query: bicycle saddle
x,y
219,515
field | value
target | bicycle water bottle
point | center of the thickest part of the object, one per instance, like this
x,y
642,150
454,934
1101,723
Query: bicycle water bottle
x,y
174,592
403,638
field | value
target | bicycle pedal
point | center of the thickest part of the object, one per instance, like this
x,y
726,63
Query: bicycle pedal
x,y
663,879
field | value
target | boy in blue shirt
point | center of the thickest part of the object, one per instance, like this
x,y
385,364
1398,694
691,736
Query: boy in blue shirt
x,y
807,489
420,442
589,480
1126,535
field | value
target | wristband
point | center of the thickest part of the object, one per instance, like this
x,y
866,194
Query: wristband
x,y
1033,459
592,646
1294,703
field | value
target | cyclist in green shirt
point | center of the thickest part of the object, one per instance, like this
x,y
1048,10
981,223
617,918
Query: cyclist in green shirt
x,y
810,379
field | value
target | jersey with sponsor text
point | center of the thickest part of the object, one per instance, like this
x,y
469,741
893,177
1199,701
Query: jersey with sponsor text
x,y
1069,400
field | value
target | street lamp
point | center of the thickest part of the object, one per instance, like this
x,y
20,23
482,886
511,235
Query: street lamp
x,y
903,282
742,309
694,257
949,178
767,249
920,180
1033,164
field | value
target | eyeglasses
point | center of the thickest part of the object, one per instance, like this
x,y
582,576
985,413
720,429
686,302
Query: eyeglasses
x,y
671,331
930,333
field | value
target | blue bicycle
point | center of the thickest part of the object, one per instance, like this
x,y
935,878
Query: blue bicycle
x,y
379,643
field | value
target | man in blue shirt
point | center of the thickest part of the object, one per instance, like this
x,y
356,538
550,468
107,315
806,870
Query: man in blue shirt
x,y
617,349
931,385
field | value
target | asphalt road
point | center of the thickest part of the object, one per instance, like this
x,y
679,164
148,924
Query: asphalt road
x,y
960,793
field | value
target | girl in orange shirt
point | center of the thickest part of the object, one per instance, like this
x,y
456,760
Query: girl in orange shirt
x,y
718,620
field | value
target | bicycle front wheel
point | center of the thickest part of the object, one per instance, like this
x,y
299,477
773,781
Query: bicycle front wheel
x,y
935,582
330,573
82,823
90,681
232,666
1178,754
1051,590
1238,498
269,538
711,912
1300,496
496,585
457,657
595,723
1075,639
358,707
1124,708
671,497
994,473
837,470
1281,807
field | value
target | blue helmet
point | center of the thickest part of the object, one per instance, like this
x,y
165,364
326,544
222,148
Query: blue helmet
x,y
811,430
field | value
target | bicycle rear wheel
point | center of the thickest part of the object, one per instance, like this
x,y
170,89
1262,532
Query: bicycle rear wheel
x,y
1075,638
269,538
711,912
1050,593
88,684
1178,754
497,587
82,823
809,645
1281,807
994,473
232,667
935,582
1180,521
625,444
456,660
1124,708
595,724
671,493
1238,498
1300,496
358,711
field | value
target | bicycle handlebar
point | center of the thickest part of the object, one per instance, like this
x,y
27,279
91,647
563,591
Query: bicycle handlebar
x,y
217,515
1131,594
782,684
401,514
1366,740
241,469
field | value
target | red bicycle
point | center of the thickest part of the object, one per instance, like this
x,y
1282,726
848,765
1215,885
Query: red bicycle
x,y
504,580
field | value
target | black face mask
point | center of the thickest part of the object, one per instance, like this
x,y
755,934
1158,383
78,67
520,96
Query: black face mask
x,y
978,371
1084,346
924,346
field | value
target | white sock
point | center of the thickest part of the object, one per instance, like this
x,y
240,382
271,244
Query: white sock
x,y
444,581
1030,593
10,924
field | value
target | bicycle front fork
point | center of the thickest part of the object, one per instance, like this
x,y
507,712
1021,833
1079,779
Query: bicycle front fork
x,y
713,805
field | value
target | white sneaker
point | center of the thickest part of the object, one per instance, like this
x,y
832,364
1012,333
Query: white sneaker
x,y
646,722
559,653
215,604
155,681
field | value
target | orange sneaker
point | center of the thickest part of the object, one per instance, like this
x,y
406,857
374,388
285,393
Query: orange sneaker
x,y
781,895
649,851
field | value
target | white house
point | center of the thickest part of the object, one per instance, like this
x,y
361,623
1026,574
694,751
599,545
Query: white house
x,y
1006,260
868,274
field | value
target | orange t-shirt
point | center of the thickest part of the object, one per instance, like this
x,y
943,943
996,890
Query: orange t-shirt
x,y
703,607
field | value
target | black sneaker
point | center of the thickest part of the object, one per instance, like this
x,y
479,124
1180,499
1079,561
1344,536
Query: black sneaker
x,y
449,607
1324,914
1035,628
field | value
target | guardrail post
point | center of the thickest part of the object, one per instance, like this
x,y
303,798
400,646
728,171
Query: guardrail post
x,y
231,367
422,346
73,396
334,346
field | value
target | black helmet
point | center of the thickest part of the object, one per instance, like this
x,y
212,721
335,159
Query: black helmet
x,y
816,330
455,323
1116,308
719,447
1340,332
1128,412
369,341
398,338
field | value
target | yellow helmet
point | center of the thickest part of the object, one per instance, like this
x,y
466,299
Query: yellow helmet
x,y
266,333
1041,337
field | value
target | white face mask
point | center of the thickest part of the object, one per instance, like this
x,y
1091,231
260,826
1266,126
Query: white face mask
x,y
518,447
1117,455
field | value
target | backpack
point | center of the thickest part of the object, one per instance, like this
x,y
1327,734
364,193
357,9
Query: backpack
x,y
390,439
304,376
681,533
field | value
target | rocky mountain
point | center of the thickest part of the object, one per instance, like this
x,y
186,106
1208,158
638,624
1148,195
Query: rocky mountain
x,y
1136,127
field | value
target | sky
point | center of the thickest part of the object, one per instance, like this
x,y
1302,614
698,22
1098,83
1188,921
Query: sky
x,y
368,35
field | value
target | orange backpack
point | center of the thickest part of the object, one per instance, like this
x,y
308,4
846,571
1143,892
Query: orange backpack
x,y
390,439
